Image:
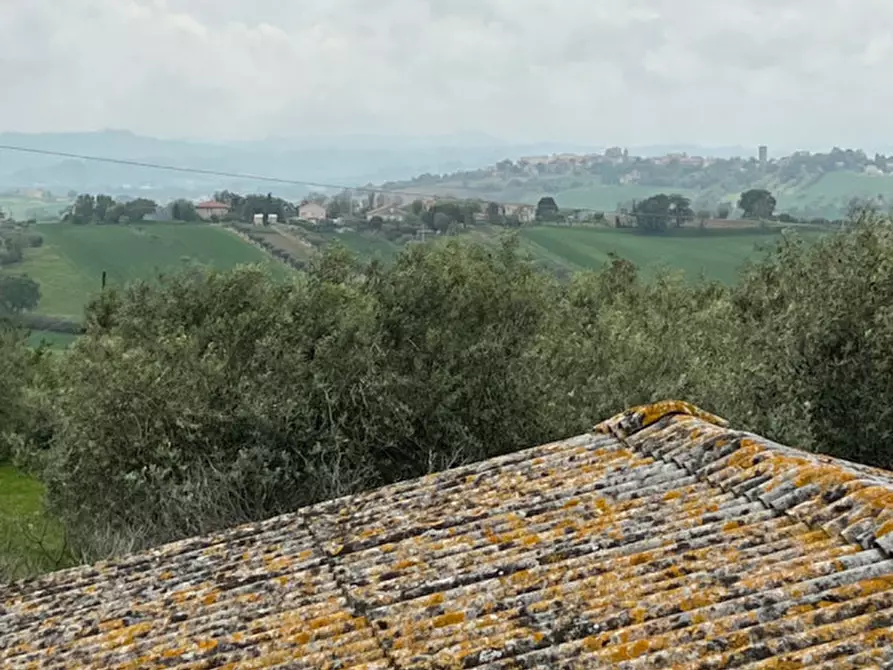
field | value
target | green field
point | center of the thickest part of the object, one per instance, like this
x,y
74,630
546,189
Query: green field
x,y
367,245
23,208
606,198
51,339
70,263
28,539
718,254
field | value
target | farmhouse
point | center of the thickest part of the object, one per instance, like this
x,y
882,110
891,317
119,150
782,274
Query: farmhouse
x,y
311,211
210,209
387,213
525,213
660,538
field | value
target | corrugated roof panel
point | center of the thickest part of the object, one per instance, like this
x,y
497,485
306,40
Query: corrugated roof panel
x,y
662,539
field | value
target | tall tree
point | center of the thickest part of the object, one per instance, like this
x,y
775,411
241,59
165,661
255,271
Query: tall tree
x,y
183,210
757,203
547,209
494,214
103,204
653,214
680,208
139,209
83,209
18,293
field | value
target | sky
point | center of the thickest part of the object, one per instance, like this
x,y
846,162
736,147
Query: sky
x,y
788,73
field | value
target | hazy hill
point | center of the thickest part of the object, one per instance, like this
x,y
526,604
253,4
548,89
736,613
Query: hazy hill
x,y
350,160
807,185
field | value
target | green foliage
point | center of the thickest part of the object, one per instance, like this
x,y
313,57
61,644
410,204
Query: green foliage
x,y
216,397
822,317
547,209
680,209
16,373
757,203
15,239
70,264
88,208
657,213
220,397
183,210
653,214
244,207
30,541
18,293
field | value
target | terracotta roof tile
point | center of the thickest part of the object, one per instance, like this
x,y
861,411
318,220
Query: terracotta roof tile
x,y
662,538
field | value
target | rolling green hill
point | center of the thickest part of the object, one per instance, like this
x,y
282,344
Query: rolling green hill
x,y
806,185
717,254
70,263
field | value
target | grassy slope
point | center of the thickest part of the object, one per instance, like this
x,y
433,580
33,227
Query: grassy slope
x,y
21,507
366,245
839,187
718,254
607,197
52,340
21,207
70,263
829,192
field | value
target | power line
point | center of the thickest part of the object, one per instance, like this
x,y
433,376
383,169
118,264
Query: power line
x,y
220,173
262,178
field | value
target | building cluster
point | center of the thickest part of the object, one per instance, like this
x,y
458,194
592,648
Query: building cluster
x,y
384,206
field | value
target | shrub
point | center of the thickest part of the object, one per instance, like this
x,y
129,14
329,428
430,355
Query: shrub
x,y
211,398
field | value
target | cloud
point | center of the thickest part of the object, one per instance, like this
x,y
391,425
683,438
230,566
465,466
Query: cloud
x,y
795,73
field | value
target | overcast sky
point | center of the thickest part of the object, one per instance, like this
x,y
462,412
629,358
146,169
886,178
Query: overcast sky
x,y
810,73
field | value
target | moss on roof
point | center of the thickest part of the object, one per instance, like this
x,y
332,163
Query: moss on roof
x,y
662,538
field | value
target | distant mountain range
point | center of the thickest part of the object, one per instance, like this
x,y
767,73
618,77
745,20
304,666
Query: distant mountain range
x,y
349,160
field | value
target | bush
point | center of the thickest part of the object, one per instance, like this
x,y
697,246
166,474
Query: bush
x,y
16,373
212,398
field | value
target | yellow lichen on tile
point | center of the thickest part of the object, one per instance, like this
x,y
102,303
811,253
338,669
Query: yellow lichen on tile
x,y
642,416
449,619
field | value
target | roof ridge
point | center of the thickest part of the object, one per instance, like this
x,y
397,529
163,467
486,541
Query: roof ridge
x,y
845,499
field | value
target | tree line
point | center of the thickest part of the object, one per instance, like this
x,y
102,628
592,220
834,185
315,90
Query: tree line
x,y
89,208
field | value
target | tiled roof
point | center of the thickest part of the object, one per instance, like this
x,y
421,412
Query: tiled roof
x,y
212,204
660,539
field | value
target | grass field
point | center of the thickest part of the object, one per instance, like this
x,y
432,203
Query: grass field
x,y
51,339
606,197
28,539
718,254
70,263
23,208
367,245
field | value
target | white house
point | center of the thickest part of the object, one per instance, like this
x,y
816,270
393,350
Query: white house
x,y
387,213
211,208
311,211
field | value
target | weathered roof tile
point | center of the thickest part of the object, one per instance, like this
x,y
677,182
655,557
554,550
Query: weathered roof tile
x,y
662,538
